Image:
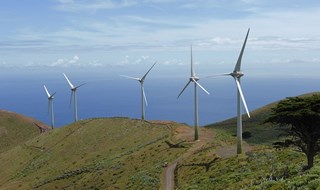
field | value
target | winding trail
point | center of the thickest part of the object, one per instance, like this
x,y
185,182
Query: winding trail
x,y
187,134
206,135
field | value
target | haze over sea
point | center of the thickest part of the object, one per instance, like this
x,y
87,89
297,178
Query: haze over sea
x,y
106,94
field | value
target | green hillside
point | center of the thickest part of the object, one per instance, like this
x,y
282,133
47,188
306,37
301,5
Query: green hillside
x,y
123,153
216,165
115,153
16,129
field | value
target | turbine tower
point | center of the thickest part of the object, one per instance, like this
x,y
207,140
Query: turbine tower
x,y
50,105
237,74
143,95
193,78
74,95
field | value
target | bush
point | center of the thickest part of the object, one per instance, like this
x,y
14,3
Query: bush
x,y
246,135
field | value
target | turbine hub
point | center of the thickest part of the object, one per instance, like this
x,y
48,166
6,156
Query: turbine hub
x,y
194,78
237,74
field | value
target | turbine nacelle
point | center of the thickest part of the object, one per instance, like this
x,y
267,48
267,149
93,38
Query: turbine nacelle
x,y
237,74
194,78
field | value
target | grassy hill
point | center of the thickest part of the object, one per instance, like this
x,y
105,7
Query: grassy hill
x,y
114,153
123,153
216,166
16,129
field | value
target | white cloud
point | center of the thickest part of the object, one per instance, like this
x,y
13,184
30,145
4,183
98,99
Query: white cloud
x,y
126,60
173,62
58,63
63,62
74,60
92,6
141,60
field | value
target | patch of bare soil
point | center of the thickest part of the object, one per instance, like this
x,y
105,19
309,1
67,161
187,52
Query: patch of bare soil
x,y
231,150
185,133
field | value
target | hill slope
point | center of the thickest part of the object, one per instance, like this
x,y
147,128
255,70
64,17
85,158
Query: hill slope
x,y
115,153
16,129
121,153
216,165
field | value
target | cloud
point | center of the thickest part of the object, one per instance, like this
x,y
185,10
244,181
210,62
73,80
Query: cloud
x,y
62,62
281,43
128,60
173,62
92,6
74,62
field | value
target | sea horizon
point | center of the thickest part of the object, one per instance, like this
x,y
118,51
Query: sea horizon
x,y
106,95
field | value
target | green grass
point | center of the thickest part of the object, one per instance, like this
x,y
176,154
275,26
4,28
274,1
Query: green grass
x,y
261,134
262,168
115,153
15,129
122,153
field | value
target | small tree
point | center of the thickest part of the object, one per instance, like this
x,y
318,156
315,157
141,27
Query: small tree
x,y
299,117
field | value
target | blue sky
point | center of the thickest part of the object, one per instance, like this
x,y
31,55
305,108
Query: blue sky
x,y
285,34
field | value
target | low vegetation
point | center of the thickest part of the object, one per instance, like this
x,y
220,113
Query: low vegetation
x,y
16,129
115,153
261,167
123,153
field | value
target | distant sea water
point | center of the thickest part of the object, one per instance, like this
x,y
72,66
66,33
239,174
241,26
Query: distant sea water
x,y
109,95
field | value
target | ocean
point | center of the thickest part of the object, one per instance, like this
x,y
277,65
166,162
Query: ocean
x,y
106,94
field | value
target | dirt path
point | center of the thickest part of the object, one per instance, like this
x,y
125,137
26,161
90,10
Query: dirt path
x,y
205,135
187,134
168,175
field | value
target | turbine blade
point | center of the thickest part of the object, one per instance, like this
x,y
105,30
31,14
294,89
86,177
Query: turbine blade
x,y
52,95
71,85
192,67
80,85
242,97
200,86
148,72
184,88
45,88
138,79
218,75
144,96
238,65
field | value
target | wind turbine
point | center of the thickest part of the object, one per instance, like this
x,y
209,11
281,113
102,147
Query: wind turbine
x,y
74,94
237,74
143,95
193,78
50,105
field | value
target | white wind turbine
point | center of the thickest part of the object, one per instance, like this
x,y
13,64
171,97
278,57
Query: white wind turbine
x,y
74,94
143,95
50,105
193,78
237,74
